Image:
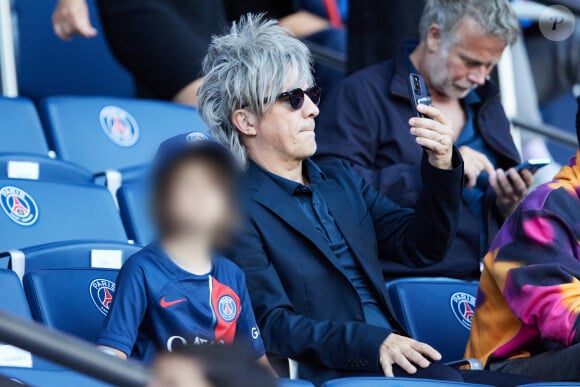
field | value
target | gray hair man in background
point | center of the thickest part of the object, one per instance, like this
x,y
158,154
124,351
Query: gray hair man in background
x,y
364,120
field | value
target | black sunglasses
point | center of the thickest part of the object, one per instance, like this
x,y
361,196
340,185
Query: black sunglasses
x,y
296,96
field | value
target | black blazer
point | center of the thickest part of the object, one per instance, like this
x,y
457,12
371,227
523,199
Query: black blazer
x,y
306,307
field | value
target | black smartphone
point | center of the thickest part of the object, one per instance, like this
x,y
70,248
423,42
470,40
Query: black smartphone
x,y
533,165
418,93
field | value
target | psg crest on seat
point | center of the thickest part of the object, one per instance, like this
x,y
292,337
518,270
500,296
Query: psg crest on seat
x,y
119,126
227,308
102,292
18,205
463,307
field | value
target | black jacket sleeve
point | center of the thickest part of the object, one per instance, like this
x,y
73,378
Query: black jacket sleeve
x,y
423,236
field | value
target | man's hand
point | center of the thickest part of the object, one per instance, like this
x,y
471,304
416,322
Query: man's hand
x,y
435,135
474,163
71,17
405,352
510,190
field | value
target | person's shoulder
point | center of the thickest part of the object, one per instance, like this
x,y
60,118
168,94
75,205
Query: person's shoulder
x,y
335,167
377,72
225,265
228,273
544,197
340,171
143,260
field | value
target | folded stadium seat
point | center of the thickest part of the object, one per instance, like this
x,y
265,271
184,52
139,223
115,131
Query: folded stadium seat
x,y
104,134
42,373
49,66
134,207
282,382
55,295
69,255
36,167
20,127
393,382
34,213
437,311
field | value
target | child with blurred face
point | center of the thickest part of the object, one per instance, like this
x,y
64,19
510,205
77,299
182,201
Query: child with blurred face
x,y
177,292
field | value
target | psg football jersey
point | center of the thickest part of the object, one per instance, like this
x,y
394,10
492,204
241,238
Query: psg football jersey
x,y
159,306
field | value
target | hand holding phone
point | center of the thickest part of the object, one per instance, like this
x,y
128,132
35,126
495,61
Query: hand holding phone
x,y
418,92
532,165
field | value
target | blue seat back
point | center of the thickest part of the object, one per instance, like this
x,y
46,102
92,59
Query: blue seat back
x,y
34,212
134,206
20,127
283,382
14,299
37,167
49,377
552,384
74,301
77,254
113,133
437,311
394,382
49,66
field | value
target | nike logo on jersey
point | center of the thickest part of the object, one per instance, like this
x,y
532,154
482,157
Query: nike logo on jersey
x,y
166,304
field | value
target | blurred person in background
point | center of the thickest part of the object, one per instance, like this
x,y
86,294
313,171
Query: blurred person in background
x,y
162,42
209,366
365,121
376,29
178,291
527,319
321,22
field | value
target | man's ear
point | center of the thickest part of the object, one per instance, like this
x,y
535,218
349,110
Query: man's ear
x,y
434,40
245,122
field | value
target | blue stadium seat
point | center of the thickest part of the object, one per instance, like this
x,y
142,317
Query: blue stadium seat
x,y
393,382
68,255
14,299
134,207
36,167
48,66
283,382
34,213
57,294
113,133
49,378
437,311
20,127
43,373
553,384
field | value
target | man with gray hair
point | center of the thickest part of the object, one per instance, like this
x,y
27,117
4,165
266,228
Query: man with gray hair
x,y
364,121
314,233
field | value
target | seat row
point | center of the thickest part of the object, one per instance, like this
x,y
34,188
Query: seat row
x,y
88,136
76,301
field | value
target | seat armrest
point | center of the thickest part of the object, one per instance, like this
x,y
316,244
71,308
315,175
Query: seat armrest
x,y
473,364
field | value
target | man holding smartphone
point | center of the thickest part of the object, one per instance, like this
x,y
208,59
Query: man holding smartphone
x,y
365,120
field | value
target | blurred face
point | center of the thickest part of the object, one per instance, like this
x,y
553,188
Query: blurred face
x,y
285,133
198,199
175,371
466,63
